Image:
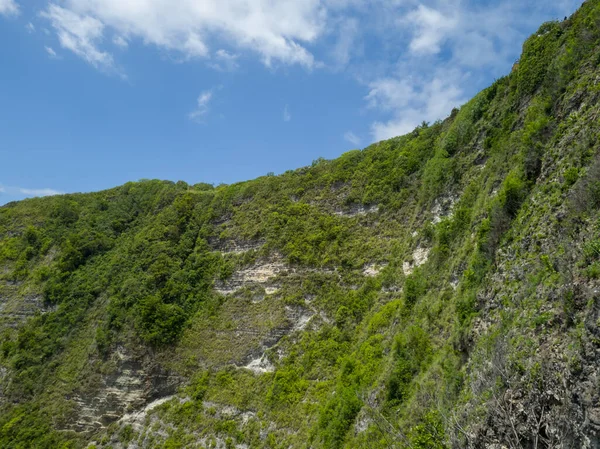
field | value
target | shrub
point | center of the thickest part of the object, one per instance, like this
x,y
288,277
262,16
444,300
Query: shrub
x,y
512,194
466,307
429,434
414,287
337,417
159,323
412,352
571,176
437,175
586,192
538,51
592,251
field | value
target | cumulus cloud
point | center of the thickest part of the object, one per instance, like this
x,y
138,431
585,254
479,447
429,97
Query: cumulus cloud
x,y
9,8
390,93
30,27
349,136
287,115
414,101
275,31
432,27
451,50
415,59
202,106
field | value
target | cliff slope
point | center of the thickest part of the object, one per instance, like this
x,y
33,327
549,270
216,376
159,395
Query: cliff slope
x,y
437,290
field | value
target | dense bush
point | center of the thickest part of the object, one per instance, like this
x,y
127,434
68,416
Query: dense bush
x,y
538,52
412,350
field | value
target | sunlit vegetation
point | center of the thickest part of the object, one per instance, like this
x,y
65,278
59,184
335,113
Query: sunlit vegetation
x,y
393,361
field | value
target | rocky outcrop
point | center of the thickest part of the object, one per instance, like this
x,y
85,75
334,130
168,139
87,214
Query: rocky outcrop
x,y
442,207
373,269
419,257
235,246
261,273
16,309
356,210
264,274
135,382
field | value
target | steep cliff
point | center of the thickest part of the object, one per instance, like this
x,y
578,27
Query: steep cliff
x,y
439,289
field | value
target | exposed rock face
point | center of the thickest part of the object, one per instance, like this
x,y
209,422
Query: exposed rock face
x,y
260,365
135,382
15,309
442,207
356,210
235,246
4,376
136,418
419,257
372,270
261,273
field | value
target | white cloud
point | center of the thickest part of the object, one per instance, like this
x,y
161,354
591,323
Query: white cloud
x,y
414,101
390,93
81,34
275,31
287,115
349,136
224,61
120,41
344,47
50,52
432,29
9,8
417,59
444,53
28,192
38,192
202,106
30,27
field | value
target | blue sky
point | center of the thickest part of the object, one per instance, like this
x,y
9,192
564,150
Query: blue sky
x,y
95,93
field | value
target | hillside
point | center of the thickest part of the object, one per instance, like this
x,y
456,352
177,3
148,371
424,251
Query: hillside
x,y
436,290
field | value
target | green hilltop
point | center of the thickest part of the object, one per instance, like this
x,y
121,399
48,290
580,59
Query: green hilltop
x,y
435,290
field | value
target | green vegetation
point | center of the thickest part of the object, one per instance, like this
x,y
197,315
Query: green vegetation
x,y
394,297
